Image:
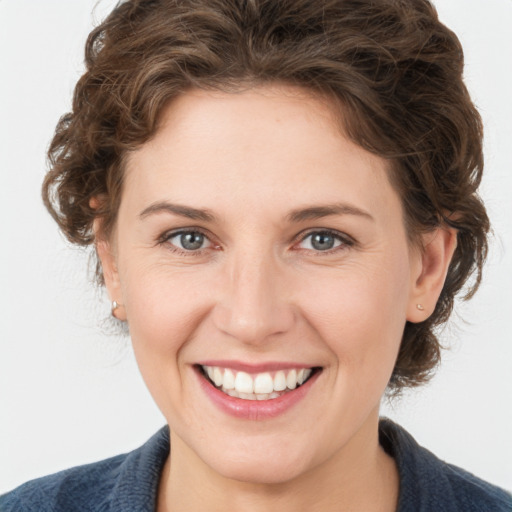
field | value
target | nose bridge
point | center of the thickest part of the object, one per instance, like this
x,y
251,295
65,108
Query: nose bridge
x,y
254,304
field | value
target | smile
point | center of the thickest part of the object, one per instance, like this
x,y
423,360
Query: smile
x,y
244,392
259,386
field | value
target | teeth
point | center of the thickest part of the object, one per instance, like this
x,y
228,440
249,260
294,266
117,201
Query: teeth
x,y
280,381
251,396
291,380
217,377
243,383
229,380
263,383
261,386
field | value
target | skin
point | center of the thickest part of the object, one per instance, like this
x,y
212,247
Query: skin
x,y
259,291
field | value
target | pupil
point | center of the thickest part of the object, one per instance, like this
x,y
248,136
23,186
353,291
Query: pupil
x,y
322,241
191,241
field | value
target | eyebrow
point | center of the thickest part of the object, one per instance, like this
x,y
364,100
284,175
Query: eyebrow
x,y
295,216
177,209
320,211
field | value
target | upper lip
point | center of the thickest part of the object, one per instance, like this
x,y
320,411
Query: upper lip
x,y
270,366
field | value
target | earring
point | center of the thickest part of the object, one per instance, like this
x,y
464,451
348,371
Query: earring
x,y
115,305
420,307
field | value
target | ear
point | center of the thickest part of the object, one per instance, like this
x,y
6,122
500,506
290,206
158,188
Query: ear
x,y
111,277
429,274
107,257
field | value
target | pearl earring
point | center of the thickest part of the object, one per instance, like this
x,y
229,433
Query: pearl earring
x,y
115,305
420,307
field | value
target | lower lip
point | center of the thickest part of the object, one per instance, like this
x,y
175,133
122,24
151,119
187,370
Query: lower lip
x,y
254,409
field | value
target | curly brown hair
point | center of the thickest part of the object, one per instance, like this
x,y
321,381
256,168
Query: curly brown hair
x,y
392,66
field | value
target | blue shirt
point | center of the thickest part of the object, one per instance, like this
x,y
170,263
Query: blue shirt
x,y
129,482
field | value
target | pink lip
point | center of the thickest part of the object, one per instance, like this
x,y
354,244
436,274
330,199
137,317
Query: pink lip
x,y
253,409
253,368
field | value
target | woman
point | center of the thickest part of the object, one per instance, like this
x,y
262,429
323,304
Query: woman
x,y
282,197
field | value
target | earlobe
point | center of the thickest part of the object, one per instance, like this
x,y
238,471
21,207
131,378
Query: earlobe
x,y
427,283
107,258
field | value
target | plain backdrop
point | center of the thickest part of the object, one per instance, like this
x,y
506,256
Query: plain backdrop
x,y
70,393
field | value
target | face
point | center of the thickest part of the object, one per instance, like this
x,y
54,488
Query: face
x,y
259,246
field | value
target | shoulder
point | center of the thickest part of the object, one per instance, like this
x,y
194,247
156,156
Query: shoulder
x,y
474,493
122,483
429,484
67,490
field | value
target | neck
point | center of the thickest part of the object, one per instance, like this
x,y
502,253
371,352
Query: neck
x,y
360,476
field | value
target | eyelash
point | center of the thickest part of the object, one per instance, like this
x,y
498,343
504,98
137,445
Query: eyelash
x,y
166,237
346,241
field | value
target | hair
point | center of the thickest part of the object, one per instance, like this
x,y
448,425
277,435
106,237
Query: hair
x,y
391,66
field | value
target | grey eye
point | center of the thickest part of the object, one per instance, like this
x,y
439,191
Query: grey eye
x,y
321,241
189,241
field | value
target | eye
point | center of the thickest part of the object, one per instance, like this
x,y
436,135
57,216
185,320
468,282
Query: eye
x,y
188,241
323,241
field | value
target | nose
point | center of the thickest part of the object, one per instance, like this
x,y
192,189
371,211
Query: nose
x,y
254,303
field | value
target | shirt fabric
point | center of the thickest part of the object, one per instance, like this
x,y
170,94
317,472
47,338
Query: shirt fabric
x,y
129,482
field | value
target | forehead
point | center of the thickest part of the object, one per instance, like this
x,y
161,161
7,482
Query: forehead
x,y
270,146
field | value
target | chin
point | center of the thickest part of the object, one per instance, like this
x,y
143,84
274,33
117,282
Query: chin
x,y
266,472
263,465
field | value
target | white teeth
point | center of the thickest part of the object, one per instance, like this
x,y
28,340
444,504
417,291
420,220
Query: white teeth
x,y
217,377
244,383
229,380
280,381
260,386
263,383
251,396
291,379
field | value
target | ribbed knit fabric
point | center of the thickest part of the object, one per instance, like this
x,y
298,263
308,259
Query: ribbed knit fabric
x,y
125,483
128,483
428,484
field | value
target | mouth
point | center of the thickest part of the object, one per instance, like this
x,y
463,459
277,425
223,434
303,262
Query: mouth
x,y
268,385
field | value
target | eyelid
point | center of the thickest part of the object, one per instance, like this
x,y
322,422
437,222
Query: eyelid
x,y
346,240
167,235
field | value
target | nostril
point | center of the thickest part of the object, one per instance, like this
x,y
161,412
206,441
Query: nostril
x,y
255,326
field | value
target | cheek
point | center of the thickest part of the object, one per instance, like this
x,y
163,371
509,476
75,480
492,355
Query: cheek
x,y
360,314
160,300
164,309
